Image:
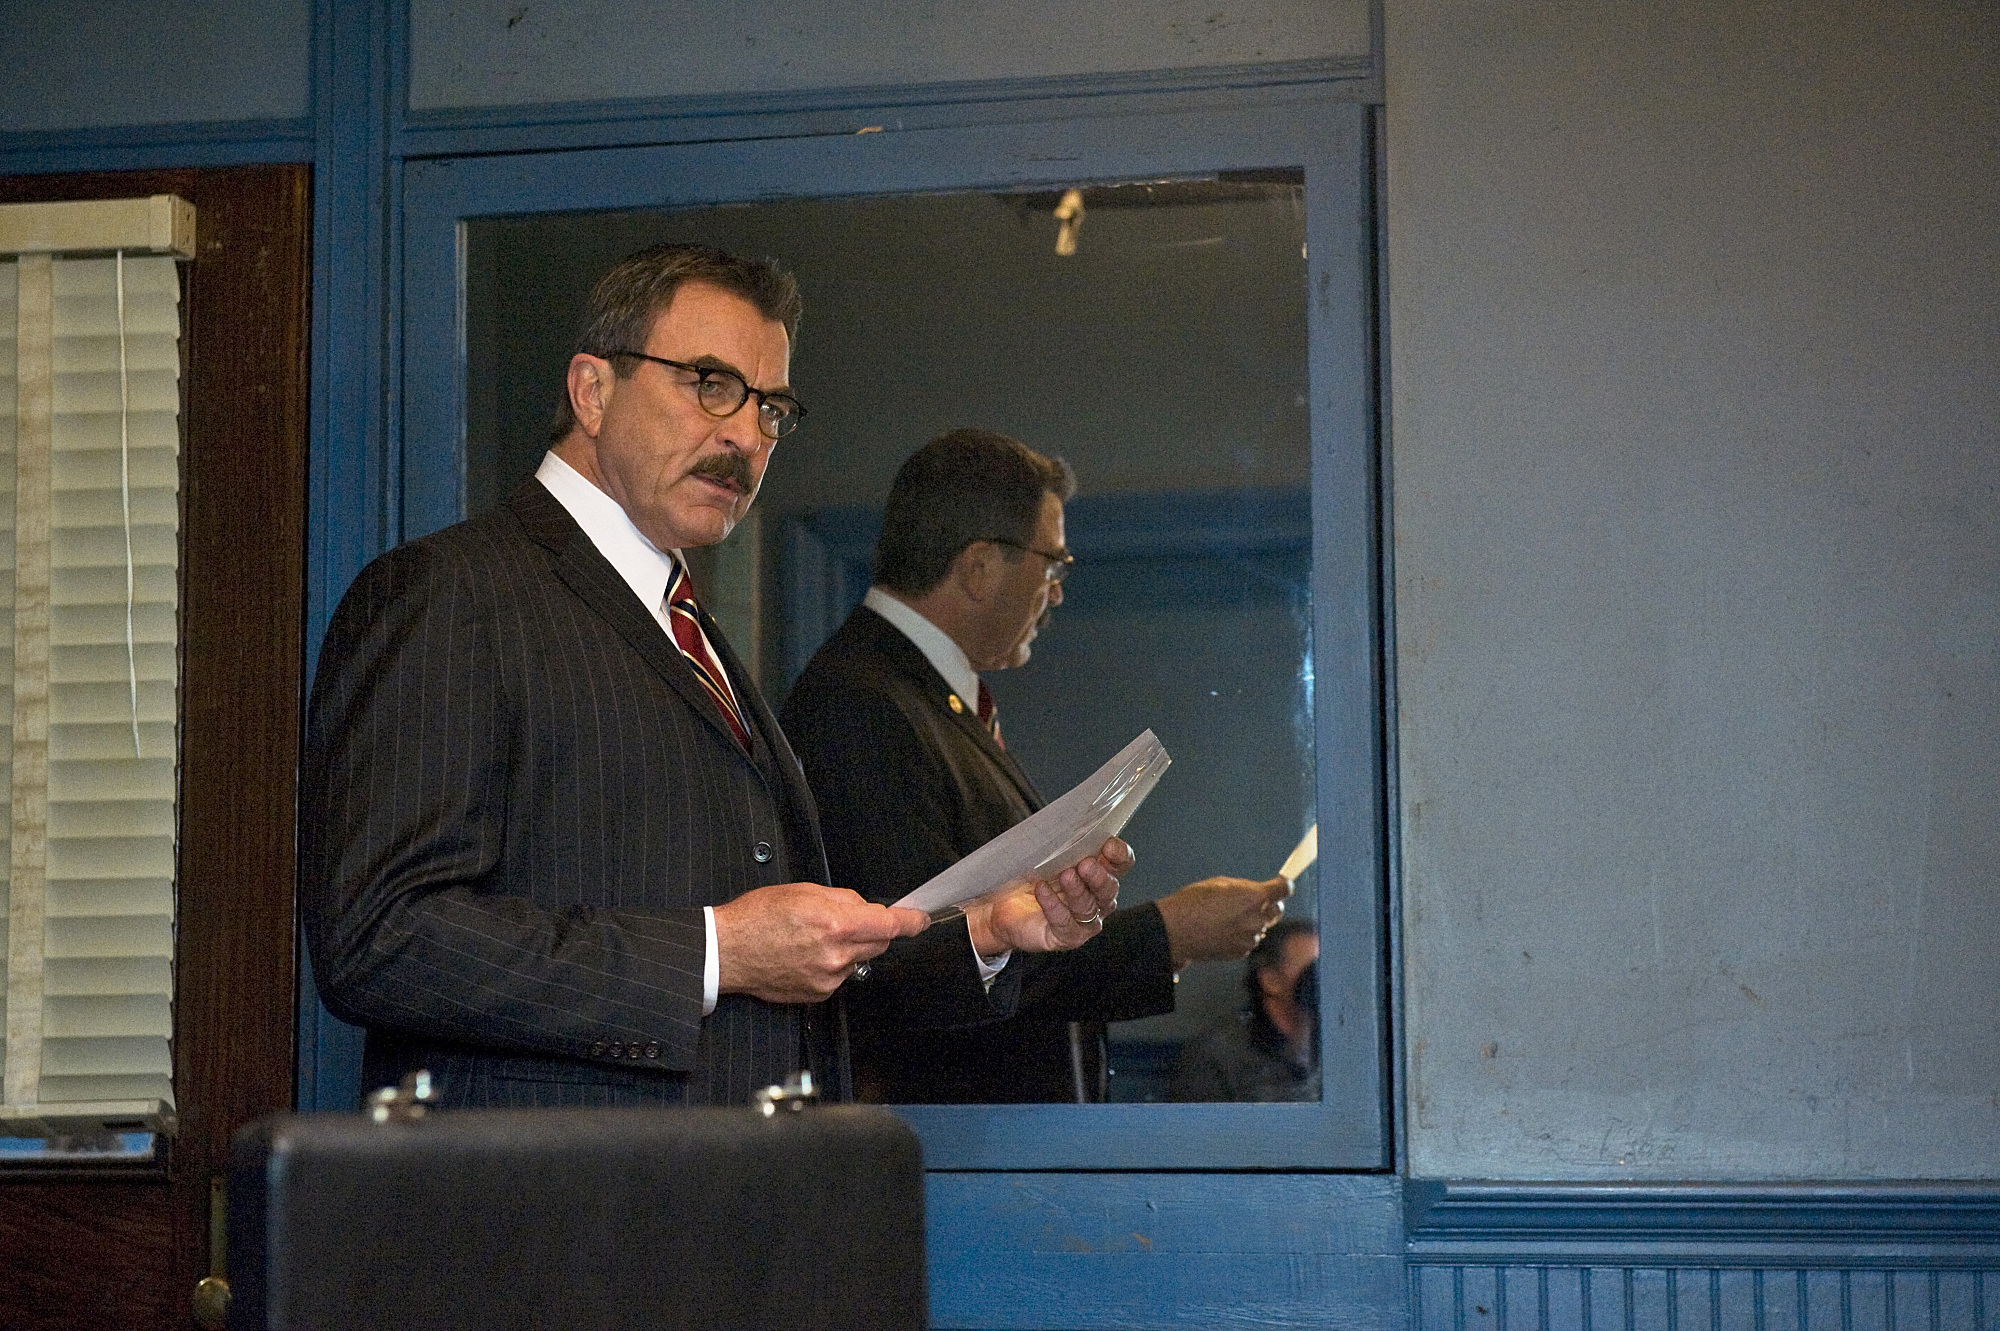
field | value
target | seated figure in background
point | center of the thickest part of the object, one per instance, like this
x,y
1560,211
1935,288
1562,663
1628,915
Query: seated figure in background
x,y
1270,1052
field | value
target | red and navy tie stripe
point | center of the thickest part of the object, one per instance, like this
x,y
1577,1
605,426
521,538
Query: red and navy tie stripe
x,y
684,622
989,715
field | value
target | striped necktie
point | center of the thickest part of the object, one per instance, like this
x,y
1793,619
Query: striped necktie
x,y
989,715
684,622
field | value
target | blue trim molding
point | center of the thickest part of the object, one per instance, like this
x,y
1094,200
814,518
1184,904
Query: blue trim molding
x,y
1204,133
629,122
353,481
1439,1212
144,147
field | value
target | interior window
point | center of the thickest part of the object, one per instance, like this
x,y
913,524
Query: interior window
x,y
1154,334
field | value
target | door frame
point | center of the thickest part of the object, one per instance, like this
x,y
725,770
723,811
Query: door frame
x,y
1329,137
145,1235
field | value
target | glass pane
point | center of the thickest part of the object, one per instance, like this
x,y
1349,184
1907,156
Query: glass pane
x,y
1165,359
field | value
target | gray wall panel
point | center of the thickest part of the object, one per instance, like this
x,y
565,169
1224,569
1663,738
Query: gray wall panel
x,y
113,63
492,53
1698,587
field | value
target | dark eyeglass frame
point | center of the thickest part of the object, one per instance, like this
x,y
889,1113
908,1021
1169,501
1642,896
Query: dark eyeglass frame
x,y
785,423
1060,561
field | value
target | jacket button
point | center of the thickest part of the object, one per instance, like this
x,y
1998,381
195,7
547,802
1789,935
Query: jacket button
x,y
761,852
597,1049
617,1049
652,1049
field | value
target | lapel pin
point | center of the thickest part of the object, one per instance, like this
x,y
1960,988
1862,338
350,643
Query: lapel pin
x,y
956,705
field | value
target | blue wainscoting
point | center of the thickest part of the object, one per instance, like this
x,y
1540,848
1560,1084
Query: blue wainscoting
x,y
1056,1251
1651,1299
1663,1257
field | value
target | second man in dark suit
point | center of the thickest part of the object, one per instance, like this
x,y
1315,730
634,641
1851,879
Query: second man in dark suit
x,y
895,730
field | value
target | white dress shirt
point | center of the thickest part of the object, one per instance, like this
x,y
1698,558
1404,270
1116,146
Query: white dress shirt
x,y
945,656
646,569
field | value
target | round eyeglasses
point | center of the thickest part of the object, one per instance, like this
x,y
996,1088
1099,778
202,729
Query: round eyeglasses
x,y
1059,561
721,393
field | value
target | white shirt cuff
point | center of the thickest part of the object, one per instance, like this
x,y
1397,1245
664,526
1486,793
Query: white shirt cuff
x,y
711,969
989,969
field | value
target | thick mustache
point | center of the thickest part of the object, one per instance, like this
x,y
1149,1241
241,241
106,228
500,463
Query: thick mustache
x,y
730,468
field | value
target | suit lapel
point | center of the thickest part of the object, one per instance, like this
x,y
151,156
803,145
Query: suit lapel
x,y
971,723
905,658
585,571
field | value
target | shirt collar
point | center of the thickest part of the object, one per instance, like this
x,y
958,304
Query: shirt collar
x,y
643,565
945,656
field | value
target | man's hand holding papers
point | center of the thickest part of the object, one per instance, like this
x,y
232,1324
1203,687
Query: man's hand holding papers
x,y
1055,914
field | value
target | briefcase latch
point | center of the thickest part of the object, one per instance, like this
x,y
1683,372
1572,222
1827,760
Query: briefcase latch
x,y
794,1095
404,1103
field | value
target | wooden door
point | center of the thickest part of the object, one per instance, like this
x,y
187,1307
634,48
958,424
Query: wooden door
x,y
83,1250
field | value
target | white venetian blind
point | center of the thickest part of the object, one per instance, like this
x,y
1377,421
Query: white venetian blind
x,y
89,554
9,401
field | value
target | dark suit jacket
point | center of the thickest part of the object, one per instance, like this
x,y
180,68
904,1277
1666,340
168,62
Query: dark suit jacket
x,y
516,800
907,786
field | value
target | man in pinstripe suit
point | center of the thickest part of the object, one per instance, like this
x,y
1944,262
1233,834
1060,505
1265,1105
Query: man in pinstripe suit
x,y
555,847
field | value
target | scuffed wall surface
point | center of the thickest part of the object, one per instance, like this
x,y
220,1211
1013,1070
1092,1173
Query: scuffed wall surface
x,y
488,53
110,63
1696,321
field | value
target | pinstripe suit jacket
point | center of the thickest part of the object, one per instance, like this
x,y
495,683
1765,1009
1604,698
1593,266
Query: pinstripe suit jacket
x,y
909,787
516,800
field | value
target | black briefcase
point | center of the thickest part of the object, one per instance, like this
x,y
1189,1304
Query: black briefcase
x,y
578,1219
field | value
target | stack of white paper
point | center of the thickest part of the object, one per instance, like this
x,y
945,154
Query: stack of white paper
x,y
1067,831
1302,855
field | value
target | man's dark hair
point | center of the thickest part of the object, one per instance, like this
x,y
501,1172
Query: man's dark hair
x,y
961,487
627,300
1269,953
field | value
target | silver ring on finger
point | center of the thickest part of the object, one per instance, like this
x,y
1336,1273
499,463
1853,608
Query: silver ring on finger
x,y
1095,917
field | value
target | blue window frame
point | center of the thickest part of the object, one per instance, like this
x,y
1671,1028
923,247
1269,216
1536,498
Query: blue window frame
x,y
1328,140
